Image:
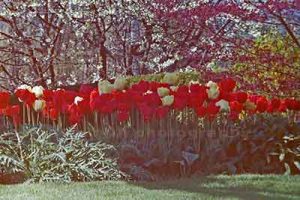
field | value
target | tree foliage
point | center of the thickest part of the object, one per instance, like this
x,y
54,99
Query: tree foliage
x,y
53,43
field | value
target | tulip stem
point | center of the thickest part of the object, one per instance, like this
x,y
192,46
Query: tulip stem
x,y
38,118
84,124
32,116
24,112
28,114
96,121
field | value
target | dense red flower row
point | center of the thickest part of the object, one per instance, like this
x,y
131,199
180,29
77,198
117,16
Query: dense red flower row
x,y
151,99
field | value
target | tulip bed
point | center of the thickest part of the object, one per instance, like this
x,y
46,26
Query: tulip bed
x,y
157,124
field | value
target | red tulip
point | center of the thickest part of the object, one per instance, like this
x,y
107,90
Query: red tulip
x,y
123,107
84,106
292,104
182,91
12,111
162,112
74,114
86,89
53,114
198,89
93,99
196,100
123,116
262,104
180,102
212,109
142,86
146,111
227,85
4,99
236,107
241,97
69,96
25,96
152,99
48,95
274,104
201,111
282,107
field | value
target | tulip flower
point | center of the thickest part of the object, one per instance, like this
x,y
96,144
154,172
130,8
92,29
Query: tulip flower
x,y
162,112
162,91
292,104
167,100
37,91
197,88
146,111
261,104
180,102
26,96
223,104
86,89
4,99
141,86
53,114
174,88
123,116
236,107
241,97
213,91
227,85
212,110
171,78
105,87
201,111
120,83
77,100
39,105
24,87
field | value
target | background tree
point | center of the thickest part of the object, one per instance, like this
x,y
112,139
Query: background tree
x,y
53,43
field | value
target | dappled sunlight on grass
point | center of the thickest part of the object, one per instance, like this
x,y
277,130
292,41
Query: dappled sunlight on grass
x,y
210,187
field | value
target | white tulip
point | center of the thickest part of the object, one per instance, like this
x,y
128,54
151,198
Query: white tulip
x,y
212,84
24,87
162,91
148,92
194,83
170,78
120,83
38,91
223,104
174,88
167,100
77,100
213,91
105,87
39,105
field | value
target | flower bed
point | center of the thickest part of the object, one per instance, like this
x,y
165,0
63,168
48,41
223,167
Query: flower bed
x,y
167,125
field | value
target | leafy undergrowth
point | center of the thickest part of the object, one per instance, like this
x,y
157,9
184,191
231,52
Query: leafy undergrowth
x,y
268,146
211,187
37,155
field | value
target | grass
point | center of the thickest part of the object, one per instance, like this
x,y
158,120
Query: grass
x,y
211,187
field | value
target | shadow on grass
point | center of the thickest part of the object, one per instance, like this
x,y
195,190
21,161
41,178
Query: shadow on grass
x,y
224,188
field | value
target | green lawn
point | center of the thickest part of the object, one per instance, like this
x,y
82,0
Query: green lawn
x,y
212,187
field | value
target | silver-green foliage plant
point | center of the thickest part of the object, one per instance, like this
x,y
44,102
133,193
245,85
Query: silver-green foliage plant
x,y
47,155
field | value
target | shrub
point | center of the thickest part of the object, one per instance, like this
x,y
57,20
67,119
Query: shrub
x,y
47,155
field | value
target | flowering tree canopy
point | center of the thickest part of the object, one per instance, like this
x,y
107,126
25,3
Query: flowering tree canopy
x,y
54,43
